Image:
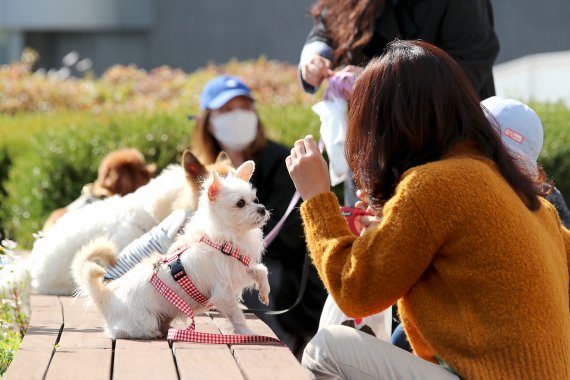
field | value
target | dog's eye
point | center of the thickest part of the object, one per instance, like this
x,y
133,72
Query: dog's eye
x,y
240,203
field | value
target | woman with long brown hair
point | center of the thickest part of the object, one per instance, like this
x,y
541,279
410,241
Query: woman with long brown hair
x,y
475,257
351,32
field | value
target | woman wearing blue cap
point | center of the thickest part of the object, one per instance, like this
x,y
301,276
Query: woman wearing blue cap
x,y
229,122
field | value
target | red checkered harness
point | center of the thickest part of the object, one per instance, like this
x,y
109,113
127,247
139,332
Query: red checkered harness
x,y
179,275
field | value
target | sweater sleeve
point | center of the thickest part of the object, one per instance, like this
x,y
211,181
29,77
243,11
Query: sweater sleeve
x,y
564,232
366,274
317,42
566,238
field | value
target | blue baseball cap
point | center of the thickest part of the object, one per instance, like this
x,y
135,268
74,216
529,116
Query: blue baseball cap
x,y
222,89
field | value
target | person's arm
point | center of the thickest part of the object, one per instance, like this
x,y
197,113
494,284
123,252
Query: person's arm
x,y
566,238
467,34
367,274
158,239
316,51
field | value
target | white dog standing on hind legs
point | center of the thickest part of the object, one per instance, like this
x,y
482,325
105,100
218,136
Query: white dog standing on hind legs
x,y
228,213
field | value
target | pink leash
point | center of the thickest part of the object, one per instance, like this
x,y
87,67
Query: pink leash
x,y
273,233
190,334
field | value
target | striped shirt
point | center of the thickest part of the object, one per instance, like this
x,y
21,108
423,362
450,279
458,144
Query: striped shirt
x,y
158,239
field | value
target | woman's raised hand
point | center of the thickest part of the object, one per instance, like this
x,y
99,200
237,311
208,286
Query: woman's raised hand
x,y
308,168
316,70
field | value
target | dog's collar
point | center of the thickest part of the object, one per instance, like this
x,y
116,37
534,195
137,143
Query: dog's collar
x,y
226,248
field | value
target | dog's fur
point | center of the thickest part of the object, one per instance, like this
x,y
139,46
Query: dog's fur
x,y
121,172
131,306
120,219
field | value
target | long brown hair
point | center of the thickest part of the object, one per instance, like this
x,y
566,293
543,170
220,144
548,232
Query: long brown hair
x,y
206,148
349,24
410,107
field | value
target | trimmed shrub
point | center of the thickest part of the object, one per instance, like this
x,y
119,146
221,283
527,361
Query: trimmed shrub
x,y
61,161
5,164
555,155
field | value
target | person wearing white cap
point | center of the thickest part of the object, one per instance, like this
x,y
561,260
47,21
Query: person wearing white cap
x,y
522,132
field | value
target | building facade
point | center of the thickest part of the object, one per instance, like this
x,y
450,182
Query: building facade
x,y
188,34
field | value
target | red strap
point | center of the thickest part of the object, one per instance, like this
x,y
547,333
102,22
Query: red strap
x,y
226,249
190,334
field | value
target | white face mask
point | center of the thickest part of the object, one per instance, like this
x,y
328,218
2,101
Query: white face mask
x,y
235,129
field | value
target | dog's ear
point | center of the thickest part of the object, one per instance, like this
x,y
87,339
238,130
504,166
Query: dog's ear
x,y
195,170
151,170
214,184
223,158
245,170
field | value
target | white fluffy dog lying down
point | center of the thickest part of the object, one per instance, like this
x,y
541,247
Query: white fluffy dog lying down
x,y
121,219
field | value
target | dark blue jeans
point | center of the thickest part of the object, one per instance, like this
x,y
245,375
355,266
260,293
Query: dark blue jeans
x,y
399,338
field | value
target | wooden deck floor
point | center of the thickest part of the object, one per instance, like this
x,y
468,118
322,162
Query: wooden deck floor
x,y
66,342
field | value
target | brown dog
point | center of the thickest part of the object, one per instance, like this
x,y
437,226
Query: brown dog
x,y
121,172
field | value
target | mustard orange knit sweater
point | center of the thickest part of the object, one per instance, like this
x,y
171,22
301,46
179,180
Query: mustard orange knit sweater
x,y
482,281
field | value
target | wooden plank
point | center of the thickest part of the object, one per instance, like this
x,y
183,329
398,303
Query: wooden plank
x,y
82,329
28,365
35,352
262,361
83,350
143,359
84,364
205,361
40,338
46,310
75,311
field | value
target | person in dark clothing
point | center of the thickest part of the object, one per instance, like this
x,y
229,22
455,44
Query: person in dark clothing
x,y
229,122
353,32
557,200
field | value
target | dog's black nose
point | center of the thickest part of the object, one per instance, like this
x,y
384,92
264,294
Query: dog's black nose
x,y
261,210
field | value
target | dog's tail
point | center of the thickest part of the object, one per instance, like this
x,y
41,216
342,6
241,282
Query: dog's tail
x,y
87,270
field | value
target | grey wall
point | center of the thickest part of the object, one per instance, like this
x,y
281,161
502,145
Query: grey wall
x,y
187,34
190,33
529,27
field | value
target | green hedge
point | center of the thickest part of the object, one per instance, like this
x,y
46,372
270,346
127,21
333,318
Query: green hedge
x,y
60,161
555,155
51,166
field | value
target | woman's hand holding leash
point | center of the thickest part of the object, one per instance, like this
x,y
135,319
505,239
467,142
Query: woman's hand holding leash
x,y
369,218
308,168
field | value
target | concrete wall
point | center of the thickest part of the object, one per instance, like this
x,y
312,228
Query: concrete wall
x,y
540,77
180,33
529,27
190,33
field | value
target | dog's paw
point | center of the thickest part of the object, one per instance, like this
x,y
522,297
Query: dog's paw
x,y
244,330
264,296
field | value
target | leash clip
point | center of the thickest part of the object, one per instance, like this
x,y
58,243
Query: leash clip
x,y
156,266
225,249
